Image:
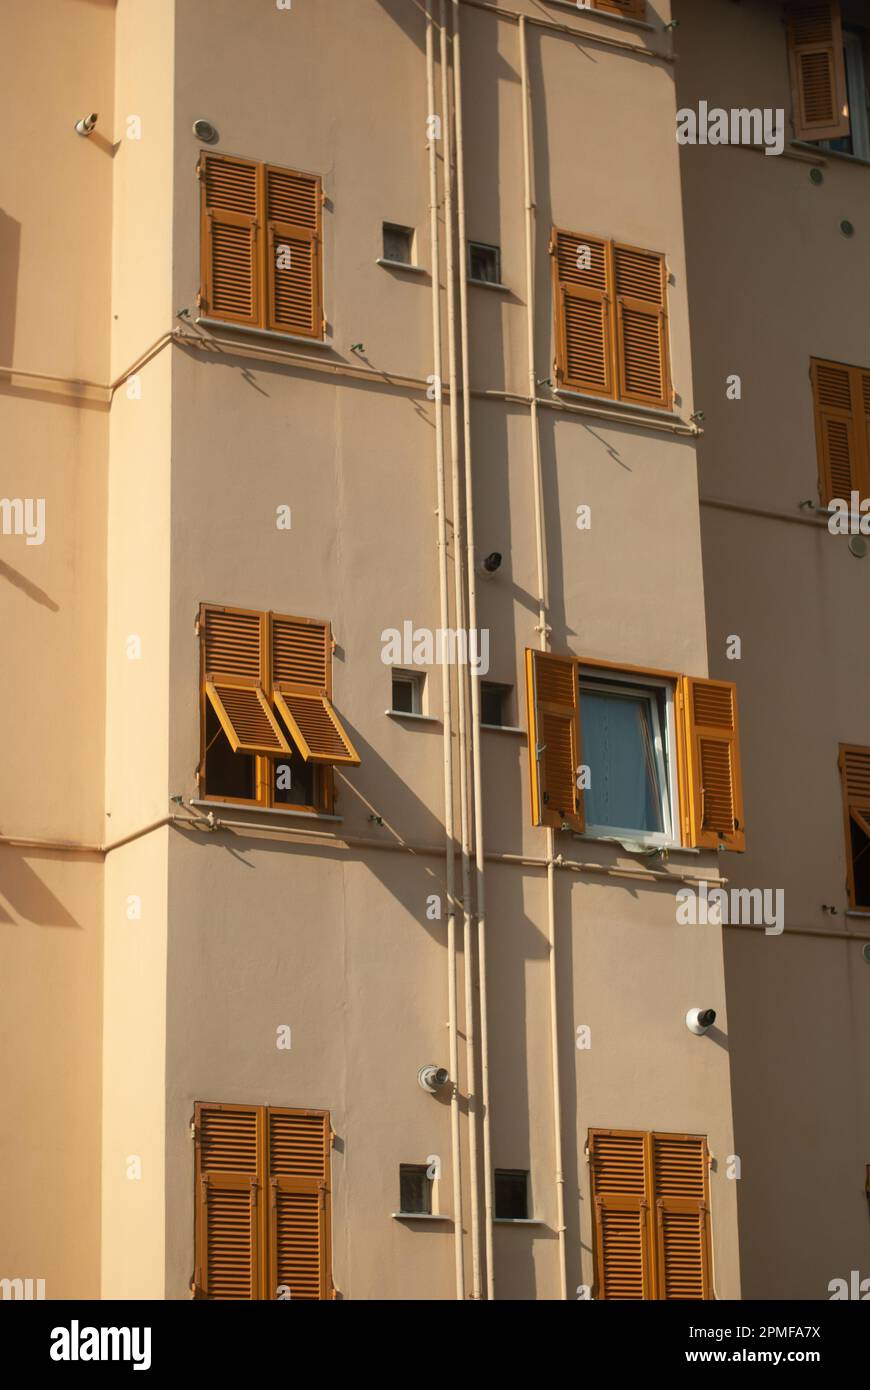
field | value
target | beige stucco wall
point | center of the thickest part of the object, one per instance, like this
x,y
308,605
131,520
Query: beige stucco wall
x,y
772,283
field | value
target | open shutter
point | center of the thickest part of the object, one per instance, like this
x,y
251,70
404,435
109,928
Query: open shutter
x,y
621,1214
233,643
642,336
818,70
229,1148
682,1215
294,267
230,239
302,689
840,441
552,691
584,313
713,791
299,1221
854,764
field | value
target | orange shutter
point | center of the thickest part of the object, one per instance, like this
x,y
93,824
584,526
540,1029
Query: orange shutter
x,y
712,784
841,396
682,1216
632,9
232,667
299,1222
854,764
820,108
230,239
293,270
552,691
302,689
642,336
229,1148
584,313
621,1214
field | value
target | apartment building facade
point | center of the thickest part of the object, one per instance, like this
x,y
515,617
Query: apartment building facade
x,y
347,957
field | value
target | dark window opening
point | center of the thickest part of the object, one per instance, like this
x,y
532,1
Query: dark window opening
x,y
415,1190
511,1194
398,244
294,781
860,865
484,263
227,774
407,696
495,704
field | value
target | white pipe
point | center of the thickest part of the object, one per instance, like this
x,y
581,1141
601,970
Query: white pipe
x,y
462,740
544,638
446,702
471,580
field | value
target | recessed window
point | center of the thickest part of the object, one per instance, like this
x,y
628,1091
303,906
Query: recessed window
x,y
415,1190
857,142
484,263
628,738
398,244
511,1194
407,695
855,777
495,704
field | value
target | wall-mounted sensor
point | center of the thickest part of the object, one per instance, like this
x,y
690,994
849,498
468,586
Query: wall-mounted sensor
x,y
699,1020
86,124
432,1078
491,563
205,131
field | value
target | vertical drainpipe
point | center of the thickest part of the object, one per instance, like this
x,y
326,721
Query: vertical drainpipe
x,y
459,586
544,642
453,1033
471,580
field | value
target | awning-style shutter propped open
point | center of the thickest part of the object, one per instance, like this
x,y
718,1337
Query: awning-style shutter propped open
x,y
302,690
233,670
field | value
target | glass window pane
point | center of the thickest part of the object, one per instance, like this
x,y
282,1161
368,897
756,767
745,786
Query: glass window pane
x,y
415,1190
619,749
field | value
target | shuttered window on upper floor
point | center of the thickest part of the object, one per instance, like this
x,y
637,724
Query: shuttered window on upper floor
x,y
651,1215
631,9
611,322
261,246
820,109
703,766
262,1203
841,398
854,764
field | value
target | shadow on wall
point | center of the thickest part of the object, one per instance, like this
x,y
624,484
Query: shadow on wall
x,y
27,895
10,252
33,591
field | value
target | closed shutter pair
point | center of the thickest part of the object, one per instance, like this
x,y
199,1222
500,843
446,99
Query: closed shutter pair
x,y
651,1212
820,106
253,661
261,246
841,396
611,319
854,764
262,1203
708,752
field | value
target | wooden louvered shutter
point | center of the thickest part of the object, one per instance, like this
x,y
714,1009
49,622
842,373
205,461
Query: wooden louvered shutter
x,y
682,1216
230,239
621,1214
841,396
632,9
854,764
294,262
229,1149
818,70
233,647
712,785
302,690
299,1217
552,691
640,281
584,313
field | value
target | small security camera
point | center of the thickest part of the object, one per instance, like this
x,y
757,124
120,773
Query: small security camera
x,y
86,124
492,563
432,1078
700,1020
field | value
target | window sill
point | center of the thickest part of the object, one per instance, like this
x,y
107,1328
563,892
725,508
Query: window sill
x,y
417,718
517,1221
420,1216
830,154
289,813
504,729
647,848
858,912
401,265
620,407
325,343
626,19
489,285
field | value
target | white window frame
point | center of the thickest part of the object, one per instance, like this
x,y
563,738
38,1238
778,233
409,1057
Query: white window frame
x,y
665,749
416,680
